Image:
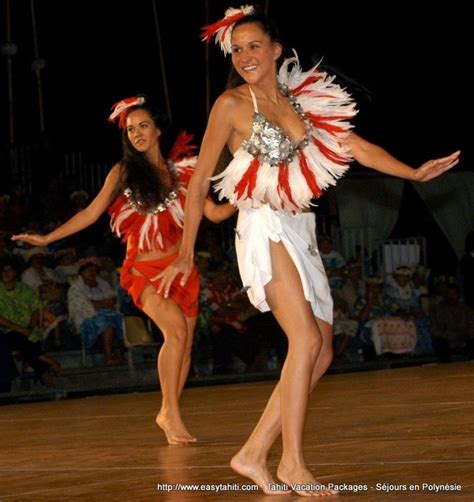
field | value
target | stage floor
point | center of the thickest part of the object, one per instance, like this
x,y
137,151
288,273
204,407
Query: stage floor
x,y
391,434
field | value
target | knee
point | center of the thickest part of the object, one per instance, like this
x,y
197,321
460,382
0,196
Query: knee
x,y
176,336
109,332
315,346
309,345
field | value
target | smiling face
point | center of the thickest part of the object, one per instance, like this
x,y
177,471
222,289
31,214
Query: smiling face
x,y
254,55
141,130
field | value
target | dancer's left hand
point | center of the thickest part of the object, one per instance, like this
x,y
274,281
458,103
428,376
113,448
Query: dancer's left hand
x,y
434,168
181,266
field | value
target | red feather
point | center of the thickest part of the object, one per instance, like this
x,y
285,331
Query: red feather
x,y
309,176
284,182
333,156
181,147
248,180
209,30
119,109
324,123
310,80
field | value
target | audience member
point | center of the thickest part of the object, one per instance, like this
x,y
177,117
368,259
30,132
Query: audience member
x,y
230,310
452,325
92,307
400,288
19,325
43,279
353,288
68,266
333,262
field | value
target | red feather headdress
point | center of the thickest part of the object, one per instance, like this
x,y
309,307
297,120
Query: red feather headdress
x,y
119,109
222,29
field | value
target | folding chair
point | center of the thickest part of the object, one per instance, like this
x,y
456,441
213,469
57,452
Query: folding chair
x,y
136,334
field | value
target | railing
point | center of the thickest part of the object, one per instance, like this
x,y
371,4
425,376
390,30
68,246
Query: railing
x,y
358,244
27,165
380,257
89,175
407,251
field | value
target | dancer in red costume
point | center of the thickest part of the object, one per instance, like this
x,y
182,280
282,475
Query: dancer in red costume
x,y
148,193
290,136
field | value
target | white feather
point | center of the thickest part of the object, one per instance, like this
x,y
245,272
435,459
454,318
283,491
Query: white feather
x,y
186,162
224,34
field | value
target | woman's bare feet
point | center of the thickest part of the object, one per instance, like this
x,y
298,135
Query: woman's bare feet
x,y
174,429
302,482
258,472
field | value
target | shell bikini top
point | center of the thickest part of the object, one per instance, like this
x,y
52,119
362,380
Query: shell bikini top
x,y
270,142
270,169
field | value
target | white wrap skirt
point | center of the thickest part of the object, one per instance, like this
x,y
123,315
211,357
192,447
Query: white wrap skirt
x,y
297,232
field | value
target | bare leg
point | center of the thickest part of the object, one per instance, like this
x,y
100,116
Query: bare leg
x,y
56,337
190,325
268,427
55,366
251,459
168,316
107,339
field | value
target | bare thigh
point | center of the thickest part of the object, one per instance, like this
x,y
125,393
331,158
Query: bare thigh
x,y
164,312
285,294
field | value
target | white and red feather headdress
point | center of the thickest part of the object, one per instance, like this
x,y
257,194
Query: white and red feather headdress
x,y
119,109
222,29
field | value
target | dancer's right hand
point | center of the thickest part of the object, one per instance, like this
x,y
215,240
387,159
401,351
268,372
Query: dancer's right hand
x,y
183,265
33,239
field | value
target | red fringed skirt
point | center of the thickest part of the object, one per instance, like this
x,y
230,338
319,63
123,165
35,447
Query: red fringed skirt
x,y
187,296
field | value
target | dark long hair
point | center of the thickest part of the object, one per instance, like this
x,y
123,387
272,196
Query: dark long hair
x,y
268,26
138,173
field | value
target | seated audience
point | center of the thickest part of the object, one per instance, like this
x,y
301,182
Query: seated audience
x,y
333,262
52,293
400,288
19,325
67,267
353,287
92,308
452,326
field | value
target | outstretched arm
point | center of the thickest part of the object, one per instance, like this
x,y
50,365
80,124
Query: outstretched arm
x,y
375,157
217,133
80,220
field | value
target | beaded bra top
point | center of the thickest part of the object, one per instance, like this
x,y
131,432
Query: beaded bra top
x,y
269,142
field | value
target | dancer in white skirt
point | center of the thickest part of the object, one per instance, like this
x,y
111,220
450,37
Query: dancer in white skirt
x,y
291,138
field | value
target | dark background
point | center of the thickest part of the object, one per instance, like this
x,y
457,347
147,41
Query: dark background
x,y
413,64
